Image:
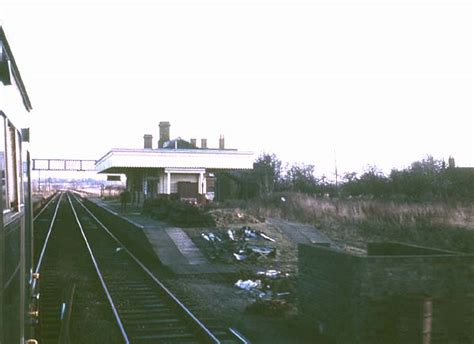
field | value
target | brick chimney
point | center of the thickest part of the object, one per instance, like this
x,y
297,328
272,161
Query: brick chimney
x,y
193,142
451,162
221,142
148,141
164,133
204,143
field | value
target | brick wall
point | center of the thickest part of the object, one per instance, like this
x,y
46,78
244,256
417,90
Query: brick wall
x,y
326,289
382,298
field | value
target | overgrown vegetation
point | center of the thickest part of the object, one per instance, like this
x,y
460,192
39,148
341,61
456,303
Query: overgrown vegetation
x,y
428,203
178,213
355,222
425,180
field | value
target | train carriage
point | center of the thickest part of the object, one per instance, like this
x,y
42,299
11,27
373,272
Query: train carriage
x,y
15,202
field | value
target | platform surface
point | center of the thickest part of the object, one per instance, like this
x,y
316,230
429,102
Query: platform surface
x,y
300,233
173,247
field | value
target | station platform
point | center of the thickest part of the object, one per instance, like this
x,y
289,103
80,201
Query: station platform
x,y
172,246
301,233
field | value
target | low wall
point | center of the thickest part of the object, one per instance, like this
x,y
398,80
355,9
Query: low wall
x,y
386,298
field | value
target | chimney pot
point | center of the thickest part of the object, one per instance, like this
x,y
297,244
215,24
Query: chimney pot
x,y
451,162
204,143
147,141
193,142
221,142
164,133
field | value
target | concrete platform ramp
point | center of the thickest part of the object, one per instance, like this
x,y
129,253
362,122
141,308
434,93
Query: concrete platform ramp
x,y
300,233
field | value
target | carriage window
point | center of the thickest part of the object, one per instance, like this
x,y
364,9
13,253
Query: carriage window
x,y
12,168
3,171
19,166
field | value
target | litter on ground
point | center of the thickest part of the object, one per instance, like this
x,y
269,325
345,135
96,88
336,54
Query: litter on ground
x,y
240,244
271,284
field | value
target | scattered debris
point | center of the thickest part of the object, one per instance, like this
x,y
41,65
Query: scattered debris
x,y
211,237
261,251
272,274
271,284
247,233
240,255
263,235
240,244
248,284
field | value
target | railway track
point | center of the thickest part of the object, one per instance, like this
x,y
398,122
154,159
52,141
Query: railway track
x,y
44,222
143,309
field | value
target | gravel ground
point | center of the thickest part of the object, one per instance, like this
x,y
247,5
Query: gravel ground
x,y
221,300
273,321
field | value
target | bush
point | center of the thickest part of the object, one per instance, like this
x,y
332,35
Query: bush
x,y
177,213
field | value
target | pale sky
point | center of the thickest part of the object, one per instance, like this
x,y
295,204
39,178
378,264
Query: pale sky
x,y
383,82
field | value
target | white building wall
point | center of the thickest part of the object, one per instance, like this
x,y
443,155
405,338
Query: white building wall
x,y
180,158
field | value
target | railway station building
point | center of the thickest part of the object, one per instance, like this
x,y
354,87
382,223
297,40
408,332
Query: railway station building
x,y
175,167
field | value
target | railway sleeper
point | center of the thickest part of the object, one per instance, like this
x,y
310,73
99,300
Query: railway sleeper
x,y
153,321
172,336
152,315
143,305
130,289
151,309
164,331
130,292
166,315
159,328
133,300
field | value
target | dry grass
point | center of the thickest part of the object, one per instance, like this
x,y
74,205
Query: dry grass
x,y
358,221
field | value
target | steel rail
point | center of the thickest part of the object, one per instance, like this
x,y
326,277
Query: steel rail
x,y
66,312
99,273
200,325
239,335
46,240
46,205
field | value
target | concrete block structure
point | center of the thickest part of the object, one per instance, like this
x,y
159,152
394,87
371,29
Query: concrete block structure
x,y
396,293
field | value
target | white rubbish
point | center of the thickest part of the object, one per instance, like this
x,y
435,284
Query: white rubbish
x,y
231,234
239,256
248,284
263,235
